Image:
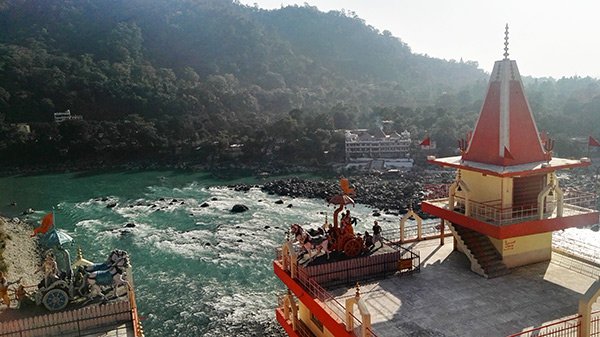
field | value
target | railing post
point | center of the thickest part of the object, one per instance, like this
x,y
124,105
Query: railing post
x,y
401,230
585,308
441,232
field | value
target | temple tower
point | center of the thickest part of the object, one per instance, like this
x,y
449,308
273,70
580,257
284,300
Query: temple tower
x,y
506,198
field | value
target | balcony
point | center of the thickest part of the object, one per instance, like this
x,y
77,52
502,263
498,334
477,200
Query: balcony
x,y
577,209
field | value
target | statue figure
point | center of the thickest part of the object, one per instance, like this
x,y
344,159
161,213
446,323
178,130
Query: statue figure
x,y
4,289
50,269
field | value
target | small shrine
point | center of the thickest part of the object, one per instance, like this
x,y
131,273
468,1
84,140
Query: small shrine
x,y
506,199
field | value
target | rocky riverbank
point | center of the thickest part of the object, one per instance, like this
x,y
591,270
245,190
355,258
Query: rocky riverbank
x,y
396,193
21,255
391,194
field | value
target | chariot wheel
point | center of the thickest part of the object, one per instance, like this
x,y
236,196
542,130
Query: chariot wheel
x,y
55,299
353,247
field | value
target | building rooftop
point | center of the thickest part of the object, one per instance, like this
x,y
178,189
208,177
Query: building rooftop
x,y
446,299
515,170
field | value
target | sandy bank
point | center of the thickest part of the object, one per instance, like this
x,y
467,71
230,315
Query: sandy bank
x,y
22,254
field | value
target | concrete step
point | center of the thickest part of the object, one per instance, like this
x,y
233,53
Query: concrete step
x,y
483,251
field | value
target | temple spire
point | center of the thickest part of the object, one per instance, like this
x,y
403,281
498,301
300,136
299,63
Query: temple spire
x,y
506,42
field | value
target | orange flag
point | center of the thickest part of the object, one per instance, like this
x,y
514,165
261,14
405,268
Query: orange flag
x,y
47,223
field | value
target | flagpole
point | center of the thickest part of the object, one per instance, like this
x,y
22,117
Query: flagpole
x,y
588,151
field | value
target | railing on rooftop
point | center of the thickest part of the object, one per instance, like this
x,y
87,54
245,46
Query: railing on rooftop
x,y
77,322
492,212
393,258
336,309
568,327
331,304
429,231
565,328
595,324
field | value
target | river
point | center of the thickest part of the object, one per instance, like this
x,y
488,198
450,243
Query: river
x,y
199,271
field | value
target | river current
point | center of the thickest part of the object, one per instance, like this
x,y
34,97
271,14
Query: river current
x,y
198,271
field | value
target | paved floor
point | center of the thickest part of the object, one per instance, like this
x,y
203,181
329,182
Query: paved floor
x,y
447,299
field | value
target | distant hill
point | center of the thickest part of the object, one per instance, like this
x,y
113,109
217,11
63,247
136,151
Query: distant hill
x,y
191,77
105,59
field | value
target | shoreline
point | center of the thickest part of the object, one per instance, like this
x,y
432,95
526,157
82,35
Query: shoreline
x,y
22,254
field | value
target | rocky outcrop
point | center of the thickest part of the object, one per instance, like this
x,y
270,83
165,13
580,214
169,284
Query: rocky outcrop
x,y
239,208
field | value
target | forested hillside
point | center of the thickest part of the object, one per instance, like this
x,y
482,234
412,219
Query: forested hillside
x,y
186,79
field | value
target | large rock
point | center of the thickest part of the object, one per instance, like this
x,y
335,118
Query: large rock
x,y
239,208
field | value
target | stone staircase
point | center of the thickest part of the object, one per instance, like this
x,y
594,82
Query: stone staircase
x,y
485,259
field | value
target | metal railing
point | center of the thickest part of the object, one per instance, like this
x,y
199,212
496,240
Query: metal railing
x,y
392,259
429,230
301,329
566,328
492,212
77,322
331,304
406,254
595,324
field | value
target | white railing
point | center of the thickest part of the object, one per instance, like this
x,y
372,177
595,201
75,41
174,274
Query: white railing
x,y
68,322
574,203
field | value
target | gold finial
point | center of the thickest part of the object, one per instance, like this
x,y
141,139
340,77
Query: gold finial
x,y
506,42
79,253
357,290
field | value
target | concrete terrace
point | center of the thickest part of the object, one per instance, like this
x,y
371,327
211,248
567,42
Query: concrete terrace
x,y
447,299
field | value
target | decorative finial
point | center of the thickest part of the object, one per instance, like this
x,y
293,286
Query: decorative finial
x,y
506,42
79,253
357,290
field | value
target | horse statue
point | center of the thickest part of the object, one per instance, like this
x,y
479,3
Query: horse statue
x,y
310,242
114,256
109,274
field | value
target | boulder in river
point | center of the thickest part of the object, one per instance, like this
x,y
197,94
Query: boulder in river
x,y
28,211
204,204
239,208
279,202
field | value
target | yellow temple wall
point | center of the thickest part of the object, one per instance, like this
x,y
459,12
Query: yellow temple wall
x,y
304,316
523,250
486,188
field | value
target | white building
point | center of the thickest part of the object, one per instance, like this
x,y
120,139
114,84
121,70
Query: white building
x,y
60,117
361,144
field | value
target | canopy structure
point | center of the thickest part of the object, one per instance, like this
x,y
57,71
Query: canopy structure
x,y
55,238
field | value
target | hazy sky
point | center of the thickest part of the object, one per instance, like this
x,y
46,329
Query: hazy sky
x,y
547,38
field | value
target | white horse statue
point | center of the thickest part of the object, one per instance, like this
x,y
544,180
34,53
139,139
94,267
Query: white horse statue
x,y
309,242
113,258
112,277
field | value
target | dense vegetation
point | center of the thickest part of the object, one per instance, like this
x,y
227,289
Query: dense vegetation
x,y
187,79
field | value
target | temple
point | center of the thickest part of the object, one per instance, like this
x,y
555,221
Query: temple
x,y
506,197
499,213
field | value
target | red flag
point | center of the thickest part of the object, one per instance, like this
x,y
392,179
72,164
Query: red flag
x,y
426,141
593,142
47,223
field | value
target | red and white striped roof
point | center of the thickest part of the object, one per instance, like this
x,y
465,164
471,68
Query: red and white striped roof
x,y
505,133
